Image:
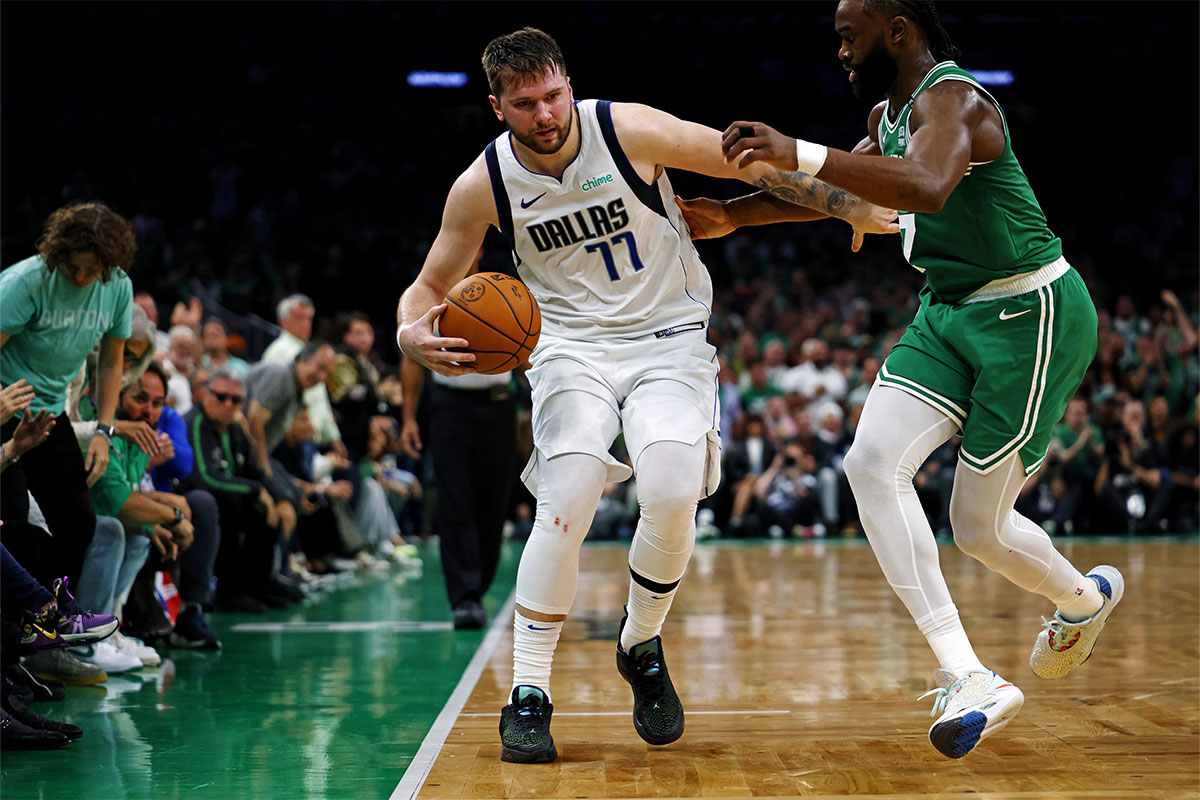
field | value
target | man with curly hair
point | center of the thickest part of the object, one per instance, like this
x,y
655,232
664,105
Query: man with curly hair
x,y
57,305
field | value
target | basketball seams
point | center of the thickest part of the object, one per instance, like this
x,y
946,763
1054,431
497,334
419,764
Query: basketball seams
x,y
524,328
499,326
483,321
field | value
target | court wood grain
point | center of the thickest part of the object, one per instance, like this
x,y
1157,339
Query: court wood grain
x,y
800,672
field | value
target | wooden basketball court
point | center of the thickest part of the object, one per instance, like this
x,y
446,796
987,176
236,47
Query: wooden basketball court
x,y
800,672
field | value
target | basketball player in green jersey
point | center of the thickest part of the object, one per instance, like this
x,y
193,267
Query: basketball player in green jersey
x,y
1000,343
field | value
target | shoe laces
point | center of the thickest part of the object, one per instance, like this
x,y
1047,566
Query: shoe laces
x,y
1056,635
528,716
945,693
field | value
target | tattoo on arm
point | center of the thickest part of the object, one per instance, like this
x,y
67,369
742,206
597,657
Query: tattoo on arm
x,y
802,189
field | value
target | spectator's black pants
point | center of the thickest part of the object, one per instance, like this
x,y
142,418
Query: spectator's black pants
x,y
53,473
246,552
473,441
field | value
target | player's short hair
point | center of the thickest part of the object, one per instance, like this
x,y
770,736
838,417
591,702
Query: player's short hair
x,y
527,53
88,227
924,13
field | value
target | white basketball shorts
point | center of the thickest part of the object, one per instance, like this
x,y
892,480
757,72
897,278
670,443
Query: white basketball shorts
x,y
655,390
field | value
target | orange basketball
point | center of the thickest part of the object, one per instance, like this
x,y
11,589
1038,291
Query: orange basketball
x,y
497,316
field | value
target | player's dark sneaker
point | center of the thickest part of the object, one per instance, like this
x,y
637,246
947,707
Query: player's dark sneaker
x,y
657,712
525,728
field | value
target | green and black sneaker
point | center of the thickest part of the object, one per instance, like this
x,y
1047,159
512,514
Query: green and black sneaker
x,y
525,728
657,712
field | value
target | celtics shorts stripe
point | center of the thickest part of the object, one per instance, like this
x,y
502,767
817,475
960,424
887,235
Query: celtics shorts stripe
x,y
1033,403
944,404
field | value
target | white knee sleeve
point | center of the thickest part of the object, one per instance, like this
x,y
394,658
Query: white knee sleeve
x,y
988,529
568,491
669,482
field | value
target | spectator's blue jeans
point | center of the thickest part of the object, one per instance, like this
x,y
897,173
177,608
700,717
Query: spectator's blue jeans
x,y
21,591
110,565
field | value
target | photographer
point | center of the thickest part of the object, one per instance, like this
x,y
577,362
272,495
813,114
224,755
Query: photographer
x,y
787,494
1132,483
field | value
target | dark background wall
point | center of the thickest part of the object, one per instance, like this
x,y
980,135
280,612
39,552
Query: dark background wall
x,y
262,148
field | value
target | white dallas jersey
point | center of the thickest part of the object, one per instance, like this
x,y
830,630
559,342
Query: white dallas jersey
x,y
605,254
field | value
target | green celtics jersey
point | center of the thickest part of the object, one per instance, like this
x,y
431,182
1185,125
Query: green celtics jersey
x,y
991,225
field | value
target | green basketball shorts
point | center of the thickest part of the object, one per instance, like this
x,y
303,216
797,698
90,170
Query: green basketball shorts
x,y
1004,369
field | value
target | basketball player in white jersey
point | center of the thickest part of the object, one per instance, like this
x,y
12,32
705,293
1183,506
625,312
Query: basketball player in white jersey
x,y
580,190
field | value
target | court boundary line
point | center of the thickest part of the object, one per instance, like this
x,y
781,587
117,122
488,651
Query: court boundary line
x,y
419,768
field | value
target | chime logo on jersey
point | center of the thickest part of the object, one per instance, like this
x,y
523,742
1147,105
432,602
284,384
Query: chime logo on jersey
x,y
595,182
588,223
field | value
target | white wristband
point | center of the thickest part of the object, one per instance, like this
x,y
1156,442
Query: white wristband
x,y
810,157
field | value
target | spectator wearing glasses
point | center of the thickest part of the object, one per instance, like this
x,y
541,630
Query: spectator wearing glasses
x,y
254,508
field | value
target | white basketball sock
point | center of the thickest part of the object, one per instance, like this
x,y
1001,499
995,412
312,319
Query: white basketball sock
x,y
1080,601
952,648
534,642
647,611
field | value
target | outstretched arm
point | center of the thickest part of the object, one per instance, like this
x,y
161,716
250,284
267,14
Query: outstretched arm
x,y
951,126
654,139
469,210
709,219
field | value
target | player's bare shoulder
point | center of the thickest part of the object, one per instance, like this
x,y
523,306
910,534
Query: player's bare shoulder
x,y
956,102
471,198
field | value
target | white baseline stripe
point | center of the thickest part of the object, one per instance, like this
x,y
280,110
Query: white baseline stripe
x,y
397,626
414,777
627,713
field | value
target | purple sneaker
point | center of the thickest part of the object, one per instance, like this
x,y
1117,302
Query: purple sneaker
x,y
75,625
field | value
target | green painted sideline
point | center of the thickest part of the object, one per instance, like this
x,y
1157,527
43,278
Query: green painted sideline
x,y
298,715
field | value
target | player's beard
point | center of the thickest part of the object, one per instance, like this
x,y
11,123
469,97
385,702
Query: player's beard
x,y
542,147
875,75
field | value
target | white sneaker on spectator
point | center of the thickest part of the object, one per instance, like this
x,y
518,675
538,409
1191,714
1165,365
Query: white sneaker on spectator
x,y
107,657
343,564
137,648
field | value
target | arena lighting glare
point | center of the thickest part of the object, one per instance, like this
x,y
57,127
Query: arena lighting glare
x,y
444,80
994,77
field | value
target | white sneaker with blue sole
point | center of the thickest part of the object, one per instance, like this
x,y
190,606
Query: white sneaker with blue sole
x,y
972,708
1062,646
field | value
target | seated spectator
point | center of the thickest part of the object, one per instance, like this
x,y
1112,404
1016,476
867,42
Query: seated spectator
x,y
402,487
786,492
1134,487
1076,450
254,507
180,361
746,461
353,385
817,380
295,316
215,340
327,530
130,519
145,301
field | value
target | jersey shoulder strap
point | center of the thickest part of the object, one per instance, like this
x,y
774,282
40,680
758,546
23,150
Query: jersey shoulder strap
x,y
499,192
646,192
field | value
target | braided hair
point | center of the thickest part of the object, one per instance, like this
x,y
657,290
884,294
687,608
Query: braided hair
x,y
924,13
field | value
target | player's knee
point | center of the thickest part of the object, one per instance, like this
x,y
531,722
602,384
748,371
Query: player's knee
x,y
668,508
974,526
